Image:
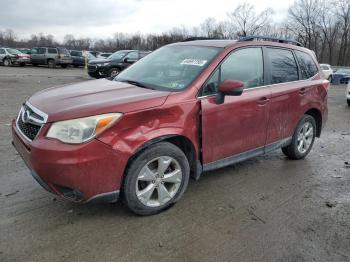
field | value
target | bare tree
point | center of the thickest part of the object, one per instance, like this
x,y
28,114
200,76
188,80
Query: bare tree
x,y
245,21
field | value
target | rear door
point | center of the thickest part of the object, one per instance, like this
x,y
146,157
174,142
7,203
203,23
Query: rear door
x,y
34,55
286,94
239,124
41,56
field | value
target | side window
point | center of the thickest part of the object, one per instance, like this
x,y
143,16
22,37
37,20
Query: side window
x,y
245,65
2,51
132,56
34,51
41,50
283,67
307,65
52,50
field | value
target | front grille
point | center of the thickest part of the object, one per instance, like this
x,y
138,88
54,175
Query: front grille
x,y
28,129
30,120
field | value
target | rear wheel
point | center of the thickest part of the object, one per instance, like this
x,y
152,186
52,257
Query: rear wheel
x,y
22,64
303,139
156,179
51,63
7,62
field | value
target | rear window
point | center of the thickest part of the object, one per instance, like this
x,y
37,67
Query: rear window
x,y
52,50
307,65
63,51
324,67
283,67
13,51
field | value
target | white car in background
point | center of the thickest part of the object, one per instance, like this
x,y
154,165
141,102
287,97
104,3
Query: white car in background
x,y
348,94
327,71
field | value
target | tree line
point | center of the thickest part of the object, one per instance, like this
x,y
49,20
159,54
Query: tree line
x,y
320,25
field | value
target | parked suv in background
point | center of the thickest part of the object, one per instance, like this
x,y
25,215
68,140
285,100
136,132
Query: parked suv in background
x,y
115,63
51,56
186,108
10,56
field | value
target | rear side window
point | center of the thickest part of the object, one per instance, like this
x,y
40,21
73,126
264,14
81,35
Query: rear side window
x,y
307,65
283,67
52,50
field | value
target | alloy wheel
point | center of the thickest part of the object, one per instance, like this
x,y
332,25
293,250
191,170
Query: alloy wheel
x,y
158,181
305,137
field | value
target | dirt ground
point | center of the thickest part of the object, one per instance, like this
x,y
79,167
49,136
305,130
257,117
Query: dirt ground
x,y
265,209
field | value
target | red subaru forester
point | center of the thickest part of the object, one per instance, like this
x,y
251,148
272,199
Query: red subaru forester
x,y
186,108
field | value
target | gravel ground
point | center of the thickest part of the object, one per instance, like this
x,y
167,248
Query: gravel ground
x,y
265,209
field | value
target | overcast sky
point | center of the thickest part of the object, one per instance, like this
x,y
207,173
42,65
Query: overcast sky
x,y
102,18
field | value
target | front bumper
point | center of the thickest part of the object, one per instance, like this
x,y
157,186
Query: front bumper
x,y
97,70
90,172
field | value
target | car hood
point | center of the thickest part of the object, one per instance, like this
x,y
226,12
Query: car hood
x,y
95,97
100,60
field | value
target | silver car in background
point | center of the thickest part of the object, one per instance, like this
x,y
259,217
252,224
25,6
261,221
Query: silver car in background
x,y
11,56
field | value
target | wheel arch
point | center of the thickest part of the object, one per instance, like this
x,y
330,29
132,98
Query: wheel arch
x,y
317,115
182,142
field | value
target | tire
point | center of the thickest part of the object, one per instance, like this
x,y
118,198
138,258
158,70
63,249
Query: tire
x,y
7,62
35,65
64,66
149,202
51,63
76,66
296,149
348,102
330,78
113,72
22,64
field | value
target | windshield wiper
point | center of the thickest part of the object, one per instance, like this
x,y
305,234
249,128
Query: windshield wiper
x,y
135,83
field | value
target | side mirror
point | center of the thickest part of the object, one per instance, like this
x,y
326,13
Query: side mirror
x,y
229,88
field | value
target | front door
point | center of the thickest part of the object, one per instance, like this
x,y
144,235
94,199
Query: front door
x,y
238,126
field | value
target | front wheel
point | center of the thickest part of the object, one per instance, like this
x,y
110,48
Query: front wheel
x,y
303,139
113,72
7,62
156,179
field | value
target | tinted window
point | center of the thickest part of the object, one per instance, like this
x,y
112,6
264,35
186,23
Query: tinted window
x,y
2,51
41,50
307,65
245,65
52,50
283,67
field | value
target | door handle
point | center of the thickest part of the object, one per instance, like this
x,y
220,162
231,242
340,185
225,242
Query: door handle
x,y
263,100
302,90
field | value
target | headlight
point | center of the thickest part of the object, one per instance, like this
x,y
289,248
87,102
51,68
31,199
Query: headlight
x,y
80,130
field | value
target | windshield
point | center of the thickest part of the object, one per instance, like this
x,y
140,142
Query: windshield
x,y
170,67
118,55
343,71
13,51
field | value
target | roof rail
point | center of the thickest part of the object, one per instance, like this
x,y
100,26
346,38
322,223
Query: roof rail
x,y
197,38
268,38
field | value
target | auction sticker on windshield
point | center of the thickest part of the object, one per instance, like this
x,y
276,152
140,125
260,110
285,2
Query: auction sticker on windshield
x,y
195,62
